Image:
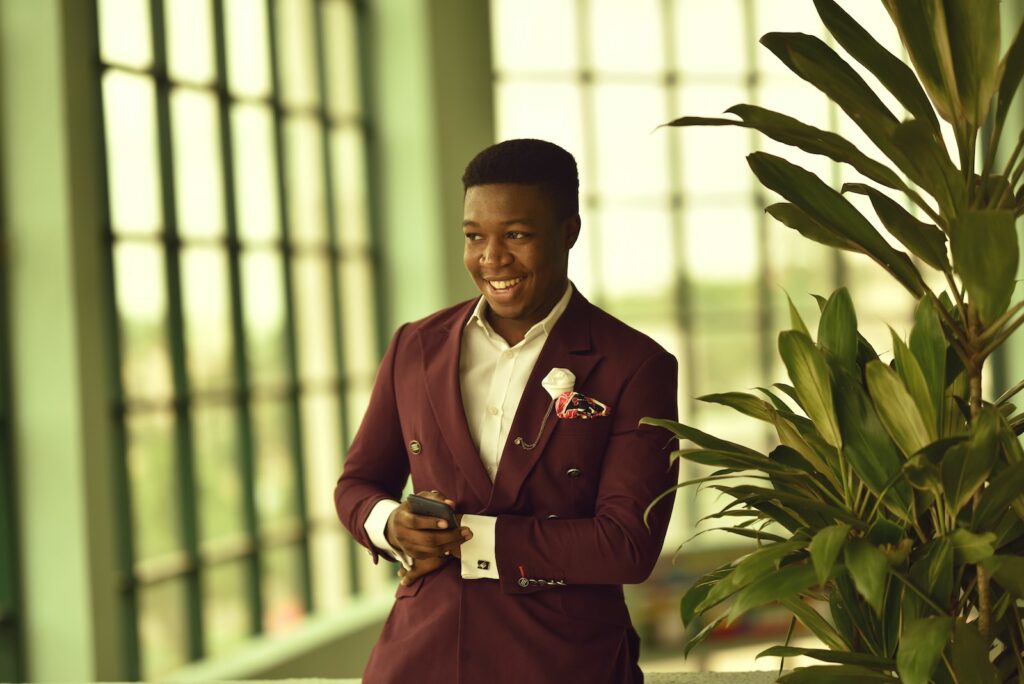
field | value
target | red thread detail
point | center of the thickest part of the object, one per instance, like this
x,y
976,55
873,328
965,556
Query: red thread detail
x,y
522,572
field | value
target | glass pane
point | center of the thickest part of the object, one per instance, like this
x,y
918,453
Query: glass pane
x,y
800,267
248,43
721,339
141,298
534,35
155,490
637,264
125,33
197,163
264,308
341,43
632,160
218,470
359,317
275,469
226,610
282,589
350,194
721,244
207,304
132,159
581,259
163,628
321,420
625,36
305,181
313,317
714,159
297,54
699,48
330,568
190,40
255,166
550,111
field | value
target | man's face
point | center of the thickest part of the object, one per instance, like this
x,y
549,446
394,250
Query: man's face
x,y
517,250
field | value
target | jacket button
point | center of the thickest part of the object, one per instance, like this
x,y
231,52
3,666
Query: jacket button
x,y
523,582
574,472
415,447
552,516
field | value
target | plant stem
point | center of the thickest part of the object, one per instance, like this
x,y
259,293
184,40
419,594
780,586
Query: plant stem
x,y
998,342
1006,173
949,666
957,294
974,386
1001,321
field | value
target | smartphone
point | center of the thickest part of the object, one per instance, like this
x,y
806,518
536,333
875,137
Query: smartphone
x,y
421,505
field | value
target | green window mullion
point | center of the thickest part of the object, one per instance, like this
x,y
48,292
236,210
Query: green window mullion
x,y
381,331
289,288
129,618
183,424
11,647
333,231
241,362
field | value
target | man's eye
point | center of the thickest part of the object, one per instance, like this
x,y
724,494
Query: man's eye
x,y
472,237
516,235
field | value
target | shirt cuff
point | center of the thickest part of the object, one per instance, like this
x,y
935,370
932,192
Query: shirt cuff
x,y
375,526
478,561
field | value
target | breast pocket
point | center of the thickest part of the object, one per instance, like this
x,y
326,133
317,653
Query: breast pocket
x,y
577,453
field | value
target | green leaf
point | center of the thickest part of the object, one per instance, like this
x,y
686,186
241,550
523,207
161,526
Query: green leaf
x,y
965,467
794,316
834,674
829,208
974,44
924,240
799,220
1006,486
922,474
890,70
913,377
747,404
921,647
985,253
927,163
928,345
788,581
896,408
734,461
922,27
809,373
818,625
699,438
825,548
1012,71
825,655
764,561
931,573
969,654
789,131
1008,571
867,446
700,636
697,592
837,329
969,547
869,568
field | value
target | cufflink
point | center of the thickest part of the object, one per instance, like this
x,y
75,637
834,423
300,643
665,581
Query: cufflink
x,y
483,565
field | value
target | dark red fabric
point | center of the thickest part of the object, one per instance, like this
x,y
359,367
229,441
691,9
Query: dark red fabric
x,y
570,529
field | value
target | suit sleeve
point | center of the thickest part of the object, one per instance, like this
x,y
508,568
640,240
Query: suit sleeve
x,y
614,546
377,465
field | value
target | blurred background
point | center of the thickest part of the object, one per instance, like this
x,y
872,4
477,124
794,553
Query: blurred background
x,y
213,215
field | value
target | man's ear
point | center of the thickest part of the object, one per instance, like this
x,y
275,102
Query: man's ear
x,y
572,231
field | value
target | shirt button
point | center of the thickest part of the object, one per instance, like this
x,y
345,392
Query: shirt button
x,y
493,410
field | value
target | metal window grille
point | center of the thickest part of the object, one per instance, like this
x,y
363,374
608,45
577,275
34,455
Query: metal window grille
x,y
243,308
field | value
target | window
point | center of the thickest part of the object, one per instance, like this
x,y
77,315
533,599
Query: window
x,y
11,667
243,307
674,238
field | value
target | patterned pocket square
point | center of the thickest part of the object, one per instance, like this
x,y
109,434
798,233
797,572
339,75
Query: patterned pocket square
x,y
572,404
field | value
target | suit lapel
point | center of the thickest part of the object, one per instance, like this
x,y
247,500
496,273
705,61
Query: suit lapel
x,y
442,346
568,346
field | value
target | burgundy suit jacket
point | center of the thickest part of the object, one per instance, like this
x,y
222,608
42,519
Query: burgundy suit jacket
x,y
570,529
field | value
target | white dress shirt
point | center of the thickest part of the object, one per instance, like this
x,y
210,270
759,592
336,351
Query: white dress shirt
x,y
492,376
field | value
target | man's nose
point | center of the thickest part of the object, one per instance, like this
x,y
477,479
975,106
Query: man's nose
x,y
495,252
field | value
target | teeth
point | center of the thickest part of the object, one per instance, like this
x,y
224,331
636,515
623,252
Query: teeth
x,y
504,284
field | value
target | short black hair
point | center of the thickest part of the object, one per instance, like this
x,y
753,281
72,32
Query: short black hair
x,y
528,161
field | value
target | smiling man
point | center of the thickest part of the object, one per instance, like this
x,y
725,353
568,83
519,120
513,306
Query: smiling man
x,y
520,410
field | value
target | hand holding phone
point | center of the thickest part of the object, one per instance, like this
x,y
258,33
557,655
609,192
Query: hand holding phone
x,y
421,505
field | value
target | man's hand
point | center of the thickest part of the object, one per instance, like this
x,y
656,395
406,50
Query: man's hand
x,y
424,538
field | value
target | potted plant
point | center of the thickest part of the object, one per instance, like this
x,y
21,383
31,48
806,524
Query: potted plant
x,y
890,517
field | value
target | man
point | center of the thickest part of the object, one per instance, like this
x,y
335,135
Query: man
x,y
520,409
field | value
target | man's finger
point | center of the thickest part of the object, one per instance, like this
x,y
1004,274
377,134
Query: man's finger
x,y
419,522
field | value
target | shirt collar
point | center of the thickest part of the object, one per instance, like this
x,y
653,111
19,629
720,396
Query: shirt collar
x,y
542,327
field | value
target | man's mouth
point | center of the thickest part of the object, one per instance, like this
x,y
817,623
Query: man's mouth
x,y
503,285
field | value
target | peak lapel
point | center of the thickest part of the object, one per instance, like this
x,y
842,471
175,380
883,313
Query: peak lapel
x,y
442,346
568,346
